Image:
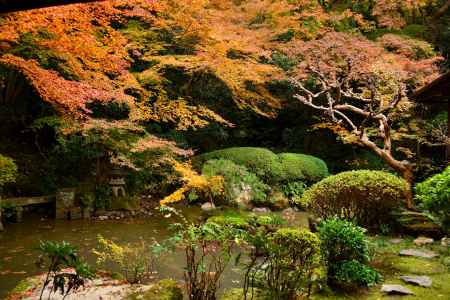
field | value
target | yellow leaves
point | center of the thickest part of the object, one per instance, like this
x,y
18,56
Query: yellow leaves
x,y
110,251
175,197
208,187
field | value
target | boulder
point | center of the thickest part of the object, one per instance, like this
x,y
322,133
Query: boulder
x,y
423,281
418,253
261,210
396,241
208,206
421,240
445,241
395,289
242,195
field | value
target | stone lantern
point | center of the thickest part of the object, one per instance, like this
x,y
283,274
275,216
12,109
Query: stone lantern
x,y
117,182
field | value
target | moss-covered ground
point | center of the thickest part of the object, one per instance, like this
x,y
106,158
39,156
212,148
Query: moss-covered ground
x,y
391,265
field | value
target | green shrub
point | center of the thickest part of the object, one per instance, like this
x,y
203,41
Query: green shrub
x,y
433,196
134,260
353,272
208,250
260,161
231,219
366,197
236,180
302,167
245,220
293,189
343,241
8,170
270,167
345,250
290,257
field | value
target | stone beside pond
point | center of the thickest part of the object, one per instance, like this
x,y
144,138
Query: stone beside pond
x,y
423,281
418,253
396,289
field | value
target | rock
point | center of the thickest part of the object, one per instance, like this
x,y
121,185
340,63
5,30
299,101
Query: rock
x,y
278,200
103,218
242,195
288,211
395,289
445,241
423,281
208,206
418,253
261,210
395,241
421,240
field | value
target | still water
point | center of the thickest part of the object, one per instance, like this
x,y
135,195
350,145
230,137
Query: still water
x,y
19,241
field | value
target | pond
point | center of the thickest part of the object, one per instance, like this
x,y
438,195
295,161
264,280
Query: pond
x,y
19,241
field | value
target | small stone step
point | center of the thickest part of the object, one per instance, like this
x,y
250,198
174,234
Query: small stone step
x,y
396,241
395,289
421,240
423,281
418,253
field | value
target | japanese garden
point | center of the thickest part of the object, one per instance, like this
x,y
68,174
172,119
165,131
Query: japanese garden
x,y
225,149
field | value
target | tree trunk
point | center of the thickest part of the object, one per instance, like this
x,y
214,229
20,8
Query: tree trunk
x,y
403,168
1,224
441,11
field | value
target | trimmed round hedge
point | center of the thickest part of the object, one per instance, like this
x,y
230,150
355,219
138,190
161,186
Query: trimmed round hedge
x,y
302,167
260,161
365,197
270,167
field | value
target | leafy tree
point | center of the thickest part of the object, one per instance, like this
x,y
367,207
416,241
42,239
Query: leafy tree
x,y
360,93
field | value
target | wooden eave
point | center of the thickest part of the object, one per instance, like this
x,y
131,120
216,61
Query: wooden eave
x,y
438,91
19,5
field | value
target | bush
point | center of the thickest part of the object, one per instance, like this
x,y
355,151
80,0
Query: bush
x,y
244,220
293,189
237,179
8,170
270,167
302,167
433,196
353,272
366,197
343,241
208,248
136,261
290,259
345,249
262,162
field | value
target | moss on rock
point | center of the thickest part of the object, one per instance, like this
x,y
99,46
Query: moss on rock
x,y
165,289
